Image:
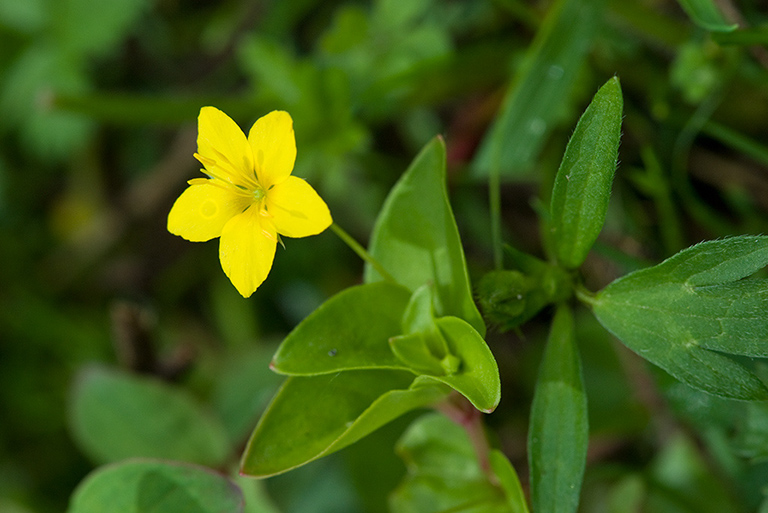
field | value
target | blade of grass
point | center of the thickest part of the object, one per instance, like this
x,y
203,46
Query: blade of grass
x,y
706,15
541,90
739,142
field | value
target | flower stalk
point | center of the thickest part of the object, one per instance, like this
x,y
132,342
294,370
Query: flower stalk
x,y
361,252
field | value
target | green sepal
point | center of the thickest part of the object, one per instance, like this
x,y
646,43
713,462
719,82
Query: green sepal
x,y
142,485
349,331
508,298
558,433
314,416
416,239
583,183
683,313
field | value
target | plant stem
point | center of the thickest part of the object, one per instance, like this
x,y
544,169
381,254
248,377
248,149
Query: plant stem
x,y
737,141
678,172
494,205
584,295
460,410
361,252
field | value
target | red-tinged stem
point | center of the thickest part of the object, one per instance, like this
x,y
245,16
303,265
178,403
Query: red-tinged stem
x,y
460,410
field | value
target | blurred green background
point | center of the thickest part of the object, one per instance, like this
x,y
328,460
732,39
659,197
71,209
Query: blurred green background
x,y
98,106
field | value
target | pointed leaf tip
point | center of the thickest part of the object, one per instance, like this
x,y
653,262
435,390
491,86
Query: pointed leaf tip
x,y
583,182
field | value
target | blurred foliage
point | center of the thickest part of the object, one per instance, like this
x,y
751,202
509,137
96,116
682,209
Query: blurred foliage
x,y
98,102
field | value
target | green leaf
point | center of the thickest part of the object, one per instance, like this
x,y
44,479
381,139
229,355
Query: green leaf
x,y
416,353
706,15
477,377
678,313
114,416
416,239
146,486
444,474
583,182
311,417
449,350
542,89
423,347
509,482
420,313
360,328
349,331
558,433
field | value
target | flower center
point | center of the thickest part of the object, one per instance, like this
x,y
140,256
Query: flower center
x,y
259,194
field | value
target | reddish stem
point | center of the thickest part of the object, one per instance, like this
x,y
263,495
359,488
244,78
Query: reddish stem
x,y
457,408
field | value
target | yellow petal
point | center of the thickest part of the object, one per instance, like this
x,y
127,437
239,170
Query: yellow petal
x,y
219,139
274,147
203,209
247,249
296,209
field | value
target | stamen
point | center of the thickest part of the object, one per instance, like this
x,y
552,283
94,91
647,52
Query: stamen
x,y
230,171
234,170
216,182
209,170
268,235
214,178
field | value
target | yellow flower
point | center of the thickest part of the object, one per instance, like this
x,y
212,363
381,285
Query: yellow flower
x,y
249,198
